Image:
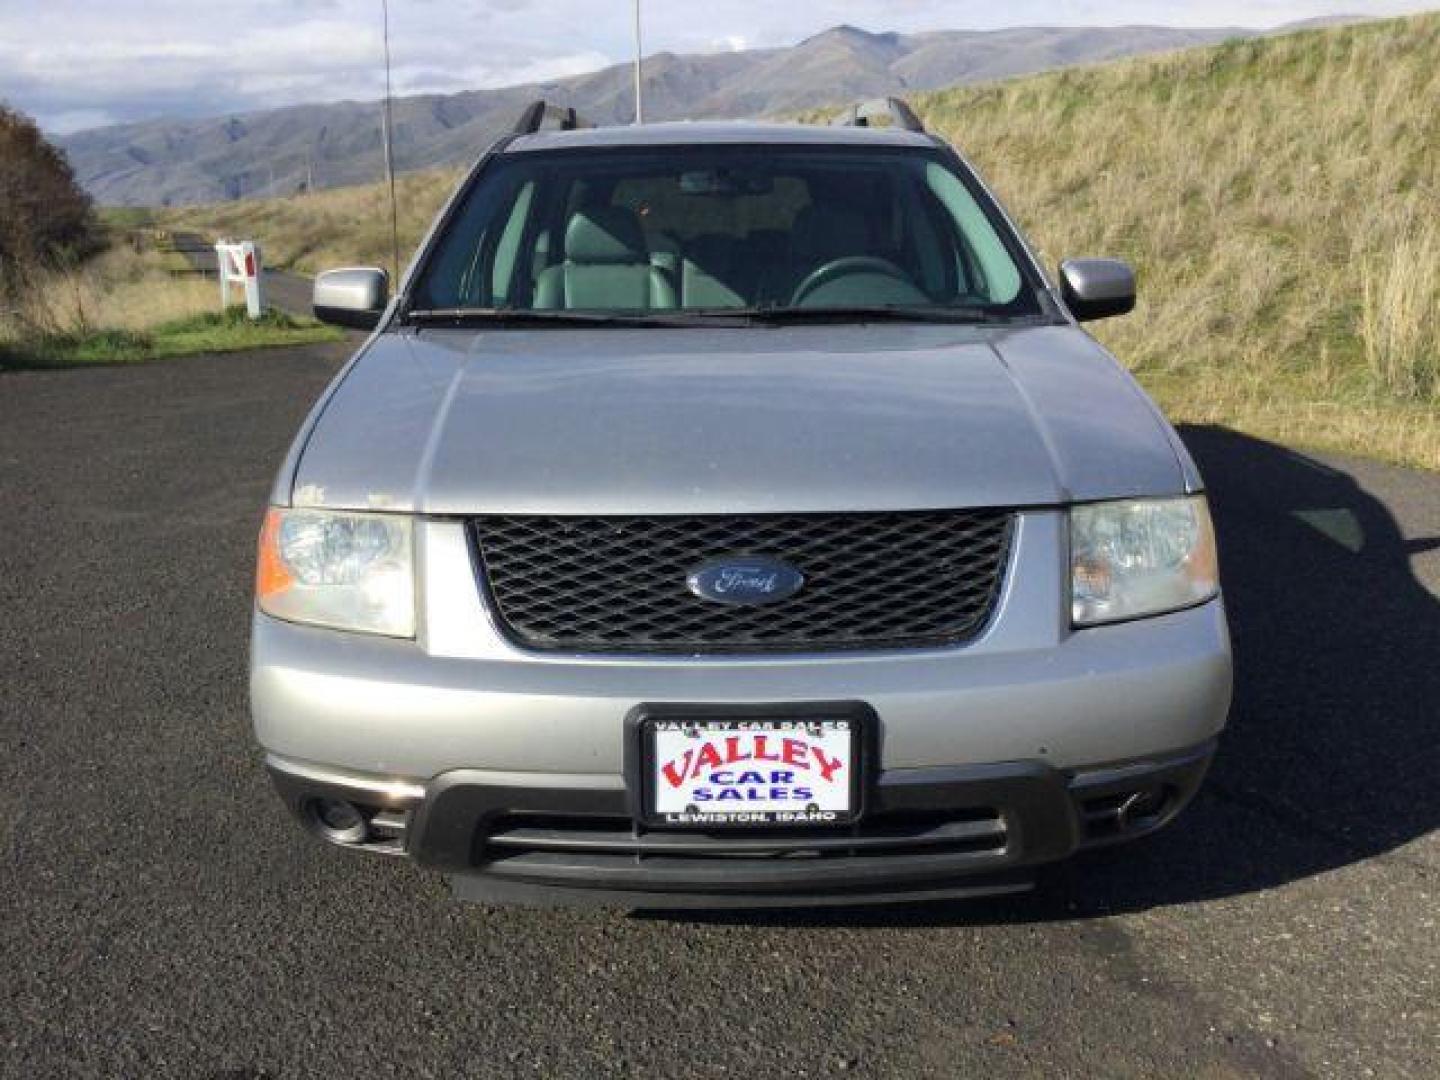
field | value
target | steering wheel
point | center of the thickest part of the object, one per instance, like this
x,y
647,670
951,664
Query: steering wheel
x,y
848,266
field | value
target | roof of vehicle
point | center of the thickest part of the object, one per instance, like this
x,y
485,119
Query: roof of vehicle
x,y
713,132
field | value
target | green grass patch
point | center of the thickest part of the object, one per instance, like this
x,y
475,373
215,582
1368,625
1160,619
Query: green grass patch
x,y
214,332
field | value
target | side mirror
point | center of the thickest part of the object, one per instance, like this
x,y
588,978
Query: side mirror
x,y
355,298
1097,288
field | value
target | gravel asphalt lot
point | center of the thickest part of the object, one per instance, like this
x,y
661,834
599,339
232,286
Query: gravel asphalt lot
x,y
160,915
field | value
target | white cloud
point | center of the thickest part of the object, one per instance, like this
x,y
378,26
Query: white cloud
x,y
63,123
556,67
730,43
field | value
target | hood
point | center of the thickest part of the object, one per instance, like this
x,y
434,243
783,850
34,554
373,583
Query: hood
x,y
749,420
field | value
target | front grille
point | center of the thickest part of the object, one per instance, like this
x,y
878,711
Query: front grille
x,y
618,584
896,846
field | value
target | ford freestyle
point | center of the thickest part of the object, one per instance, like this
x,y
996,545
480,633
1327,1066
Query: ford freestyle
x,y
734,515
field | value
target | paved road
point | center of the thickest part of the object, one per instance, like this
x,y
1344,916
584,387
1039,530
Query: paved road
x,y
160,916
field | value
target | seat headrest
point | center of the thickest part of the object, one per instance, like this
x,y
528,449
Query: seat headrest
x,y
604,234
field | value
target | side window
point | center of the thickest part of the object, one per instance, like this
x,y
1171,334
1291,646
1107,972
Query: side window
x,y
455,281
999,277
506,261
456,278
928,239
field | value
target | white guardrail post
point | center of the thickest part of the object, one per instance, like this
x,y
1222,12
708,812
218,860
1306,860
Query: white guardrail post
x,y
239,264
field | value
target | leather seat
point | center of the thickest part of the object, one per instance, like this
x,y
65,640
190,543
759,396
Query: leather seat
x,y
710,277
606,267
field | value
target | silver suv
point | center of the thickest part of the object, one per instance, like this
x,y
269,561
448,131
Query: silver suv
x,y
734,514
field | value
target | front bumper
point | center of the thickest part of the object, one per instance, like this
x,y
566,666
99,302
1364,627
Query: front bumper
x,y
966,830
507,769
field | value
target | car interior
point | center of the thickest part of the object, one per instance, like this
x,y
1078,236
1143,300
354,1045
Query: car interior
x,y
736,234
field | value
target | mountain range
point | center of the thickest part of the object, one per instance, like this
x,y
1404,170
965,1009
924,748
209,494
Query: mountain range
x,y
278,152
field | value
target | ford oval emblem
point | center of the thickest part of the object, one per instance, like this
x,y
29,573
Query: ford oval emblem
x,y
745,580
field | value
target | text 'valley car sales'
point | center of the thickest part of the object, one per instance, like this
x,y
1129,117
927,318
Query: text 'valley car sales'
x,y
753,772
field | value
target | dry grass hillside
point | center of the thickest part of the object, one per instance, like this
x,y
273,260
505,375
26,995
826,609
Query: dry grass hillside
x,y
341,227
1279,197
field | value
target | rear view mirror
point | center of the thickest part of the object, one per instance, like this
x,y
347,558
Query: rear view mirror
x,y
354,298
1097,288
725,182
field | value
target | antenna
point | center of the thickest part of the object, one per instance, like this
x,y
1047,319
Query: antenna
x,y
639,104
387,124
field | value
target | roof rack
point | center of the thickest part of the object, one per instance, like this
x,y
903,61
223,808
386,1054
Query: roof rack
x,y
862,112
537,112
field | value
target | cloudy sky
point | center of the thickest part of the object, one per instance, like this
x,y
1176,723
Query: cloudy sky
x,y
83,63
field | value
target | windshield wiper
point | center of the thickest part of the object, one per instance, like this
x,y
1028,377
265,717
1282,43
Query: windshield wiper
x,y
873,313
461,317
707,317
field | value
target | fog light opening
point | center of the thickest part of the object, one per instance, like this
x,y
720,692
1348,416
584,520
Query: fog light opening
x,y
338,821
1143,807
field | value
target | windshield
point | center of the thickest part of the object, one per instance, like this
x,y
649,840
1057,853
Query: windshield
x,y
771,229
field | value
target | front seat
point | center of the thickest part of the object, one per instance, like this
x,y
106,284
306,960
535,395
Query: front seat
x,y
606,267
708,275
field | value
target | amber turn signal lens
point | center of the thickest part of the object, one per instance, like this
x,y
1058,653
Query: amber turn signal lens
x,y
272,577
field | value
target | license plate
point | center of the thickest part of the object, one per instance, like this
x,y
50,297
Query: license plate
x,y
784,771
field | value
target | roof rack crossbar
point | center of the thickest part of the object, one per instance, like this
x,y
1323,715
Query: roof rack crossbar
x,y
862,112
537,112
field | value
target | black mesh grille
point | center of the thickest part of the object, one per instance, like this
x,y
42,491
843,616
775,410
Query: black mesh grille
x,y
618,584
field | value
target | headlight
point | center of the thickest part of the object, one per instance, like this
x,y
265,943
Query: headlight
x,y
1140,557
342,570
